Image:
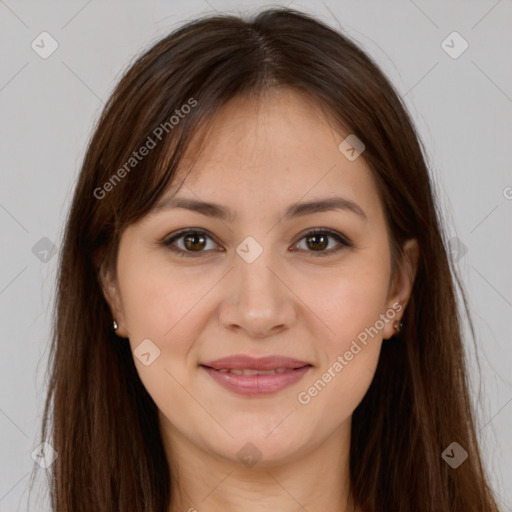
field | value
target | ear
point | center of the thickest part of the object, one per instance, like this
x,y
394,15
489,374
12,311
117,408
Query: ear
x,y
110,288
401,286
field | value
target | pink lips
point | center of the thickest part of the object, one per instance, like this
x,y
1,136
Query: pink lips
x,y
286,371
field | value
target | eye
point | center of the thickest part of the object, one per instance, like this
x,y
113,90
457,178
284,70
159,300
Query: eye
x,y
192,241
317,241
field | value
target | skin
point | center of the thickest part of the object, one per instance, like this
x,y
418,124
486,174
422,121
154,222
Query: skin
x,y
260,157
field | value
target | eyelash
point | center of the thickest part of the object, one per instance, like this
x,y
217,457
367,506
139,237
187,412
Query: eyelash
x,y
343,241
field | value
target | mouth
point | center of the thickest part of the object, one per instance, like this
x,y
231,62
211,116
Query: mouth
x,y
247,376
250,371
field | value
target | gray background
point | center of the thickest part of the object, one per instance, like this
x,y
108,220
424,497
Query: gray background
x,y
462,108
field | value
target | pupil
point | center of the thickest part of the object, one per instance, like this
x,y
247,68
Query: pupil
x,y
192,238
323,244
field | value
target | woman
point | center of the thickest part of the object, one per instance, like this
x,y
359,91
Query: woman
x,y
255,307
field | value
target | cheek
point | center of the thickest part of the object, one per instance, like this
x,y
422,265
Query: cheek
x,y
351,300
349,355
158,299
351,303
165,307
355,306
161,304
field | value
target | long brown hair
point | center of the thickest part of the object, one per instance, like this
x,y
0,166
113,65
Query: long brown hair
x,y
98,415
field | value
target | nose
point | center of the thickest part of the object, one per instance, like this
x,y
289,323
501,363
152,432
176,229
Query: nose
x,y
257,299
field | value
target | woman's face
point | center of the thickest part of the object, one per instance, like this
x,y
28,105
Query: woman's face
x,y
255,282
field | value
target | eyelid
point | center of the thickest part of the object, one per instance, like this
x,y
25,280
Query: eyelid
x,y
343,241
168,241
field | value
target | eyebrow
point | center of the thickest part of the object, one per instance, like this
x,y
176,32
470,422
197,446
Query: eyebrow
x,y
295,210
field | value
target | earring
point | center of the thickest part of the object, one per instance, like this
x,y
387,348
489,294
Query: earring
x,y
115,326
398,326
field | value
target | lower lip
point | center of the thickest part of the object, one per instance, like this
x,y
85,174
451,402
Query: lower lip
x,y
256,385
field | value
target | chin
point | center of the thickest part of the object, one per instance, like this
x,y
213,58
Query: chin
x,y
256,447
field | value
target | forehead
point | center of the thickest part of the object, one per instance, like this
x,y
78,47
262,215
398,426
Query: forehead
x,y
275,148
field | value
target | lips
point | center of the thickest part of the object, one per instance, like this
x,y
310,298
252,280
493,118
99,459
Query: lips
x,y
250,376
241,362
251,371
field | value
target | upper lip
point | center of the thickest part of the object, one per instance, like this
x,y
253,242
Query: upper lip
x,y
241,362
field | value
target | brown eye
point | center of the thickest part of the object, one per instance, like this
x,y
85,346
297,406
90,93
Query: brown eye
x,y
318,241
190,243
194,241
